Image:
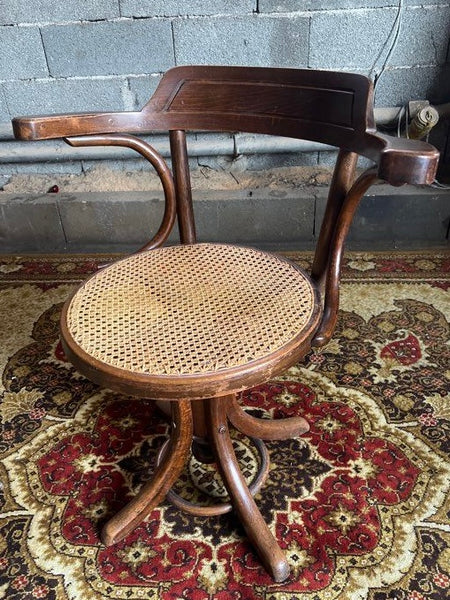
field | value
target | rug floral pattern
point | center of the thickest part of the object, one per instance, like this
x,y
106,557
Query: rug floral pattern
x,y
360,504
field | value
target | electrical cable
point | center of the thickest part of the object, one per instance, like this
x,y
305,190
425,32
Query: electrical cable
x,y
439,185
399,120
395,33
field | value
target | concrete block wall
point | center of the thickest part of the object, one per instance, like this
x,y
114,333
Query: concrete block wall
x,y
110,54
107,55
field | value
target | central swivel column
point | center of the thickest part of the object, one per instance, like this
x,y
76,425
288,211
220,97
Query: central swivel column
x,y
186,226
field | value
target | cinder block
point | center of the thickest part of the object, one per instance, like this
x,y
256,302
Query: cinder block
x,y
265,218
30,224
4,113
21,53
252,40
308,5
170,8
349,39
110,220
275,218
109,48
424,37
142,89
425,2
398,86
24,11
403,217
64,95
49,168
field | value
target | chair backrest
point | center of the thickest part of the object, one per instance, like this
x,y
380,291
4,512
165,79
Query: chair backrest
x,y
323,106
334,108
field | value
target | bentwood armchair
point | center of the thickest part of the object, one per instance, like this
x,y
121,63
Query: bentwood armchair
x,y
194,324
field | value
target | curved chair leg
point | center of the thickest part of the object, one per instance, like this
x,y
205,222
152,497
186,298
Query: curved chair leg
x,y
165,475
256,528
265,429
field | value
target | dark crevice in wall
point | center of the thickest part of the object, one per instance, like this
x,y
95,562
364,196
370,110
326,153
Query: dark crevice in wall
x,y
61,222
308,60
135,105
45,52
175,61
94,20
314,224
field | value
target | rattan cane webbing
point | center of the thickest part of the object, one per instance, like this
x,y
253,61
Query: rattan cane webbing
x,y
190,309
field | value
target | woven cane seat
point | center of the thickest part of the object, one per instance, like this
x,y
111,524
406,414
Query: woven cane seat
x,y
190,309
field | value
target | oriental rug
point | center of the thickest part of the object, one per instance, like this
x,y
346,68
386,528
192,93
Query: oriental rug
x,y
360,504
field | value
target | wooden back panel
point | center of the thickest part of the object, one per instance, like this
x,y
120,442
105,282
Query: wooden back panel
x,y
322,106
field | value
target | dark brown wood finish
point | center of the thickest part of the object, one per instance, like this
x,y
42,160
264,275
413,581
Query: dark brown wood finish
x,y
334,108
164,476
185,209
224,507
283,429
343,222
343,177
256,528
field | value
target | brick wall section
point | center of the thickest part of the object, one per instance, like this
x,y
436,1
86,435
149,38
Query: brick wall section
x,y
109,54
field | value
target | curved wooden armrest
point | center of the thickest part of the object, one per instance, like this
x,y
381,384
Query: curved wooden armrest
x,y
159,164
342,224
44,127
398,161
402,160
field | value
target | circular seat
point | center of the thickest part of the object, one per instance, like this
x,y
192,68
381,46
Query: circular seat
x,y
190,321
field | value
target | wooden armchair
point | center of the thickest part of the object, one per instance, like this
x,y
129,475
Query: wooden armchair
x,y
194,324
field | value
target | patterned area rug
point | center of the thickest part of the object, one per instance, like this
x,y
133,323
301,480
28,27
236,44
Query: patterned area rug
x,y
360,505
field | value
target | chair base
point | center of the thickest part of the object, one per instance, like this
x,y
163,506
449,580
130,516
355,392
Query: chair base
x,y
223,507
174,456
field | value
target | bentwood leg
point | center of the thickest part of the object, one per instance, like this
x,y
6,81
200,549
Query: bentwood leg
x,y
165,475
256,528
265,429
